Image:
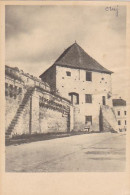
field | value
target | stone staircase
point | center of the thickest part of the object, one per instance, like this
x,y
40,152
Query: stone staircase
x,y
15,120
109,119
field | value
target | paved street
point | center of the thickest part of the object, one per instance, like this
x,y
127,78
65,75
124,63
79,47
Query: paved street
x,y
85,153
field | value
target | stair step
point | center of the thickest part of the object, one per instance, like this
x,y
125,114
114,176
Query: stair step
x,y
14,122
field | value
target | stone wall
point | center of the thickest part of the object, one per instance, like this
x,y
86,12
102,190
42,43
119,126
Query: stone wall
x,y
10,109
14,92
23,125
54,114
109,119
16,74
36,110
79,118
52,121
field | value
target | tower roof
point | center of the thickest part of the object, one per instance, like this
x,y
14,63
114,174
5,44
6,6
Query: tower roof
x,y
75,57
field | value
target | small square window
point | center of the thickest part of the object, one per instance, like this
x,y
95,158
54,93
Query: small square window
x,y
119,122
68,73
118,113
124,112
88,76
88,98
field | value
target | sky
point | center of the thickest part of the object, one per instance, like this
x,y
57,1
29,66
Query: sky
x,y
37,35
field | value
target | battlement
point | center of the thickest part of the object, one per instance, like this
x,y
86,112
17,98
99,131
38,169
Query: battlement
x,y
25,79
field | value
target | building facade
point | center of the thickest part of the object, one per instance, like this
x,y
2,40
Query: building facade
x,y
81,79
120,110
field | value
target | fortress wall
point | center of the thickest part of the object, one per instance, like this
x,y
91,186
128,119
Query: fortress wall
x,y
42,113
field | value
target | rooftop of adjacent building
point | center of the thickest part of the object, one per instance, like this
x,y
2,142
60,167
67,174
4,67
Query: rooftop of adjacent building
x,y
119,102
75,57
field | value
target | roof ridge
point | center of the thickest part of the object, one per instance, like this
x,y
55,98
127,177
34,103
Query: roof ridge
x,y
78,49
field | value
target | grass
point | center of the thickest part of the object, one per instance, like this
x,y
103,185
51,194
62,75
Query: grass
x,y
28,138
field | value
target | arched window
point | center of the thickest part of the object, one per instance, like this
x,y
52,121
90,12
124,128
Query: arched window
x,y
74,97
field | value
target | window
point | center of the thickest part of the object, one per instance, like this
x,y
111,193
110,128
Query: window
x,y
124,112
74,98
88,119
118,113
119,122
125,122
88,76
88,98
68,73
103,100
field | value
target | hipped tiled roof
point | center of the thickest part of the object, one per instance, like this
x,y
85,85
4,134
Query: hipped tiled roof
x,y
75,57
119,102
